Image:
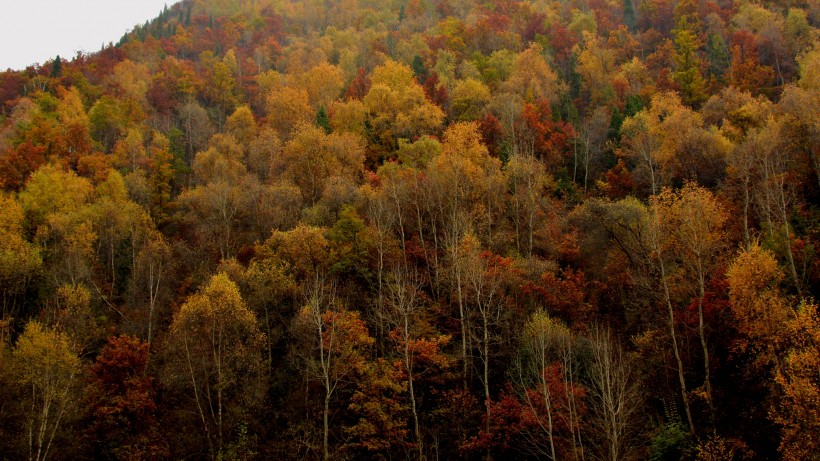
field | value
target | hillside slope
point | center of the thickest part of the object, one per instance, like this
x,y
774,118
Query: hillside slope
x,y
417,229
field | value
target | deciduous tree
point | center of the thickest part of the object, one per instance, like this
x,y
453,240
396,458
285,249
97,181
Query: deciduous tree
x,y
693,220
46,365
20,260
798,412
335,341
121,400
312,157
213,352
397,105
613,399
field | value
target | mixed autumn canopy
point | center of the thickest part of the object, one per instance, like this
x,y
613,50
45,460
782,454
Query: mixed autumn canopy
x,y
422,229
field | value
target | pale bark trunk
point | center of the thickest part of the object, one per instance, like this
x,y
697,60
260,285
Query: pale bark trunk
x,y
326,425
707,382
463,322
548,406
409,366
673,335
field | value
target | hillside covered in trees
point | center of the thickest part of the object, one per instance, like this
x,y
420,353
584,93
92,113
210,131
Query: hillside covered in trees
x,y
417,229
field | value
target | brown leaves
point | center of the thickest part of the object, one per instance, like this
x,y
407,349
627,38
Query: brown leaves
x,y
757,304
121,398
397,105
312,157
798,412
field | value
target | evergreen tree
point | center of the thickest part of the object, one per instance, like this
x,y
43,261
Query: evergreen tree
x,y
57,67
630,20
719,57
687,43
323,120
418,69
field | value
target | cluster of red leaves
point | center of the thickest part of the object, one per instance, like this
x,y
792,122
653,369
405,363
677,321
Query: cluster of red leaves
x,y
518,423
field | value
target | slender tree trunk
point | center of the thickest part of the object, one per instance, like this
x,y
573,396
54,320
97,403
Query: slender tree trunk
x,y
153,293
400,218
434,273
746,200
380,295
784,216
486,347
575,160
790,257
31,423
532,195
777,65
707,382
548,406
219,412
220,385
463,322
113,268
42,429
325,358
572,410
197,399
409,366
268,330
326,425
517,211
57,420
674,337
656,249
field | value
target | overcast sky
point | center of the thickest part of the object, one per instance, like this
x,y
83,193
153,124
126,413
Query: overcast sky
x,y
35,31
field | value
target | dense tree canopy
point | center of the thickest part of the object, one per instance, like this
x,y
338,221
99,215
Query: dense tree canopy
x,y
449,229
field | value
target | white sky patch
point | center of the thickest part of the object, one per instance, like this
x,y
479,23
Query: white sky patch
x,y
35,31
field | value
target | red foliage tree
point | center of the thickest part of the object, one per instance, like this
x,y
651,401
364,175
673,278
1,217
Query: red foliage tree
x,y
11,87
359,86
436,93
121,403
17,164
535,25
492,133
380,409
524,424
565,293
550,140
746,72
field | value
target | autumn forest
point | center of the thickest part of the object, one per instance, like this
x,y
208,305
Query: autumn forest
x,y
417,230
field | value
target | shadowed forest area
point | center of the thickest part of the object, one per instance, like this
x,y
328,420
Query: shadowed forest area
x,y
417,229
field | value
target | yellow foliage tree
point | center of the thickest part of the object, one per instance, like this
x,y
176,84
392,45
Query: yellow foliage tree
x,y
47,367
757,304
313,156
19,259
397,105
287,109
798,411
532,78
214,358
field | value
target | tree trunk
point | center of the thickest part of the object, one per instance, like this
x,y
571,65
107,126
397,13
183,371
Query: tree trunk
x,y
197,399
673,335
548,406
486,366
408,364
746,238
707,382
326,425
463,322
